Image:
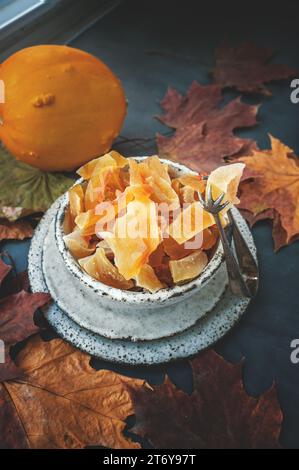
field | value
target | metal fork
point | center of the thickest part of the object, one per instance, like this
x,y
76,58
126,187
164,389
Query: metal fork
x,y
242,274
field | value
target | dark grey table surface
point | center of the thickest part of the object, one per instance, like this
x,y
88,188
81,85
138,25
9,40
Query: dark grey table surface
x,y
151,45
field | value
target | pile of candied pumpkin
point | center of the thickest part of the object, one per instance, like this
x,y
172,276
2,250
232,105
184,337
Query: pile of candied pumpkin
x,y
116,230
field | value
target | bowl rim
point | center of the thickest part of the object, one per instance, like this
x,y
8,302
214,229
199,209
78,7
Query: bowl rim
x,y
164,295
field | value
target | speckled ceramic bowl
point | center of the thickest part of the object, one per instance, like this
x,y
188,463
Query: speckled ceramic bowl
x,y
127,300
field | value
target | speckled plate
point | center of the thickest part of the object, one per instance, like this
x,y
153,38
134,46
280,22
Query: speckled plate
x,y
207,330
85,306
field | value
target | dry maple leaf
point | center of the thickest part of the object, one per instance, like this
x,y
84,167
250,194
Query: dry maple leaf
x,y
16,319
63,403
204,135
247,68
18,230
274,191
218,413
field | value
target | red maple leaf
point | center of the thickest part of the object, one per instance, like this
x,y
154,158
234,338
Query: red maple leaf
x,y
247,68
204,131
219,414
16,318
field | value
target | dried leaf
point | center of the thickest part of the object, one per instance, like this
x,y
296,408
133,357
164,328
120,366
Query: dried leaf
x,y
275,187
218,413
25,190
204,134
16,322
247,68
18,230
4,270
63,403
12,434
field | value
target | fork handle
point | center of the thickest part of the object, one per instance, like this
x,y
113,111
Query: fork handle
x,y
236,281
247,262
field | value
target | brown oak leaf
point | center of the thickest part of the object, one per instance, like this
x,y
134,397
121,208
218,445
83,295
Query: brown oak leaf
x,y
63,403
16,319
218,414
18,230
204,134
274,191
247,68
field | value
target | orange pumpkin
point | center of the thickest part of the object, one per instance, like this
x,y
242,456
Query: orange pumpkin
x,y
62,107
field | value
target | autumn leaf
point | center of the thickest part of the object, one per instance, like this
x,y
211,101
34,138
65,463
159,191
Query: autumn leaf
x,y
12,434
18,230
4,270
247,68
274,191
204,131
25,190
16,320
218,414
63,403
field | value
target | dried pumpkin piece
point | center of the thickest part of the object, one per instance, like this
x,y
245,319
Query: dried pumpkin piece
x,y
135,236
151,172
112,159
68,221
189,267
139,192
108,252
147,279
209,239
104,185
156,257
138,172
158,168
76,200
176,186
190,221
163,274
225,179
100,268
187,194
174,250
78,245
103,216
194,181
162,191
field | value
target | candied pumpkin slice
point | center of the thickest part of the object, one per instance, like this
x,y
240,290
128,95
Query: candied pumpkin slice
x,y
96,188
174,250
156,257
112,159
187,195
162,191
209,239
157,168
100,268
225,179
190,221
193,181
189,267
78,245
108,252
76,200
135,236
147,279
138,172
68,221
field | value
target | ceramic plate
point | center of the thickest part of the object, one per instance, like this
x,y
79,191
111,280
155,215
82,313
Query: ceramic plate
x,y
206,331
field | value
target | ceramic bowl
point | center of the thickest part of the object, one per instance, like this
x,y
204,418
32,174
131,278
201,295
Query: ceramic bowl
x,y
128,300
